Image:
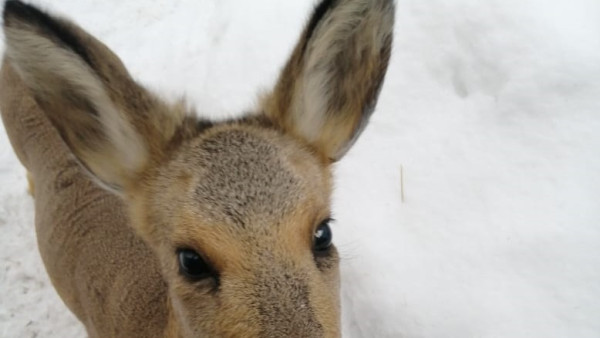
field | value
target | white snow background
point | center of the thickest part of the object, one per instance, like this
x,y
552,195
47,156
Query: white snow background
x,y
490,107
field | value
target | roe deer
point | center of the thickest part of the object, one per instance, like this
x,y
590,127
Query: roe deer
x,y
153,222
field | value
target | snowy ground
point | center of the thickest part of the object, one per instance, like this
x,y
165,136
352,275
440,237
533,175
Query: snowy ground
x,y
492,110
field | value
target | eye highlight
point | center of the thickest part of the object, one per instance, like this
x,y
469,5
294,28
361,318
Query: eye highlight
x,y
192,265
322,237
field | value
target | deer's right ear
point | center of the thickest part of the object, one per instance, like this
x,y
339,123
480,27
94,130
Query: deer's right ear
x,y
329,88
113,125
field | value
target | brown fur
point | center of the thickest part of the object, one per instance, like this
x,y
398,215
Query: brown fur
x,y
77,222
246,194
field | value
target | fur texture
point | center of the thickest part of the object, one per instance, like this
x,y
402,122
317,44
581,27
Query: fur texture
x,y
246,194
329,88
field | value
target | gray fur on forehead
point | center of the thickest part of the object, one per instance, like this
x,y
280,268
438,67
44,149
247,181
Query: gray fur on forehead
x,y
245,179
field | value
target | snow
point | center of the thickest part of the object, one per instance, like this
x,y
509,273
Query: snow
x,y
491,111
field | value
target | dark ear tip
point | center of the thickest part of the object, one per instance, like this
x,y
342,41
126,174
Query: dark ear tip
x,y
19,10
13,7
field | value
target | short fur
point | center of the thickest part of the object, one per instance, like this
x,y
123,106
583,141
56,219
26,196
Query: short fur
x,y
246,194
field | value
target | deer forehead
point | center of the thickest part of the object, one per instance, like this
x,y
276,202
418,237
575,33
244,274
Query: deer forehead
x,y
244,182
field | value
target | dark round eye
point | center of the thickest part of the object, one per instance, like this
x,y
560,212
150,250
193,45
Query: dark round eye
x,y
192,265
323,236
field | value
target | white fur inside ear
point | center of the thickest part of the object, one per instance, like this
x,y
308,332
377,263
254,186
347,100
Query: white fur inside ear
x,y
46,67
310,106
365,22
321,50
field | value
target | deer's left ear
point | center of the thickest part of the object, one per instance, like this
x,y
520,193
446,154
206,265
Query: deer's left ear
x,y
329,88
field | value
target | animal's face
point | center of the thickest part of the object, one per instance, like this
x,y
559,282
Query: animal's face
x,y
240,216
237,213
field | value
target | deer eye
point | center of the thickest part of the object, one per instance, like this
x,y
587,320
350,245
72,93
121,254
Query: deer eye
x,y
192,265
323,237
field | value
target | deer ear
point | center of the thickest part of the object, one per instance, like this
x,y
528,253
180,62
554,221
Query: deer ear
x,y
329,87
112,125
